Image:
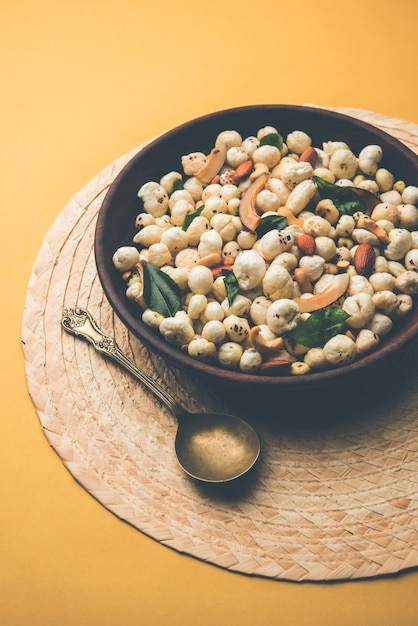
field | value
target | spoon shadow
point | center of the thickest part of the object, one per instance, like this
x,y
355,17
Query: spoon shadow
x,y
232,492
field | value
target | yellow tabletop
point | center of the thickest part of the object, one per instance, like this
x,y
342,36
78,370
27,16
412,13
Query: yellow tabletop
x,y
84,82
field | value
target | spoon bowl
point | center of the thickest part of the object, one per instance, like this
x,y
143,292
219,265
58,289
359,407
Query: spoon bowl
x,y
215,447
210,447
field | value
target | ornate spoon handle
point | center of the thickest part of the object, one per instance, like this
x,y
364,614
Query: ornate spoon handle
x,y
80,323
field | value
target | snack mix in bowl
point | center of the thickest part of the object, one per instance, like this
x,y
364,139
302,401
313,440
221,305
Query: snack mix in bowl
x,y
270,255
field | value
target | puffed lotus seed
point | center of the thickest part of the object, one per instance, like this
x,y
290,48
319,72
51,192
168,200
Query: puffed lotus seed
x,y
282,316
236,155
300,196
410,195
277,283
368,166
405,304
366,341
343,163
269,155
315,359
258,310
384,179
250,361
325,247
408,215
213,206
159,254
381,281
237,328
144,219
299,368
191,163
407,283
380,324
411,260
229,137
213,311
202,349
213,189
373,152
224,225
249,269
210,241
360,307
214,331
239,306
169,180
194,187
152,318
385,302
179,194
180,210
229,354
339,350
196,229
125,258
273,243
297,141
175,238
187,258
176,331
196,305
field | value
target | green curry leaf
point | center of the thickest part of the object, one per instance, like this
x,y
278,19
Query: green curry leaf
x,y
178,185
271,222
161,293
231,285
346,200
190,217
272,139
320,326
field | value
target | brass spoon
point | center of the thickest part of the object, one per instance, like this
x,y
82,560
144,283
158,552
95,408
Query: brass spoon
x,y
211,447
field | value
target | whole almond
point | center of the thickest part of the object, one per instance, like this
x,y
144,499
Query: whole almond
x,y
242,171
309,155
306,244
364,258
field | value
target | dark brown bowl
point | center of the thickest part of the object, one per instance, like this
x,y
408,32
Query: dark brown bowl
x,y
116,227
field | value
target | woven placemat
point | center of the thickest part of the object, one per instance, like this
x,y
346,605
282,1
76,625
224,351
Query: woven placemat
x,y
324,503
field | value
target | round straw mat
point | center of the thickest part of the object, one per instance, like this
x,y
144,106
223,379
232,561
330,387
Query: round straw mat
x,y
334,501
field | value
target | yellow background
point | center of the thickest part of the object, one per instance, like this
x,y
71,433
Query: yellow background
x,y
83,82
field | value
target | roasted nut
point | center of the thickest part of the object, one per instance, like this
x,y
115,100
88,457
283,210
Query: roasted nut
x,y
306,244
309,155
301,276
266,347
242,171
364,258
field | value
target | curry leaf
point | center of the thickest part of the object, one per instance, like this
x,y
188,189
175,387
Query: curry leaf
x,y
320,326
412,228
344,198
178,185
271,222
190,217
272,139
161,293
231,285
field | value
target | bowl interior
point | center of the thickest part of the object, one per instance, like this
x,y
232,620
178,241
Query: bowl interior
x,y
116,220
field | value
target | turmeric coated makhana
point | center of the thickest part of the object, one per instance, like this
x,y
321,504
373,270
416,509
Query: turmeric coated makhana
x,y
270,255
